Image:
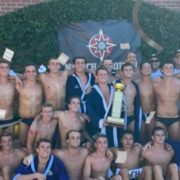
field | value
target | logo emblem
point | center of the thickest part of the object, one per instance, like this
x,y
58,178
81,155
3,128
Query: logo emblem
x,y
101,45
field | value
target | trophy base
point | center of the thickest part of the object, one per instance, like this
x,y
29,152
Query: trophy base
x,y
117,122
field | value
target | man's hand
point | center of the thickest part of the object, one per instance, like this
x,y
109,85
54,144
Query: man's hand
x,y
40,176
147,146
105,123
27,160
88,89
85,116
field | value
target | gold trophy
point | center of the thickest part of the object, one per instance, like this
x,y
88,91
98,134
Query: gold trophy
x,y
115,118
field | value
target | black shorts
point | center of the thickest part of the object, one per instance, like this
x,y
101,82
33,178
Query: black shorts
x,y
167,121
130,119
27,121
6,123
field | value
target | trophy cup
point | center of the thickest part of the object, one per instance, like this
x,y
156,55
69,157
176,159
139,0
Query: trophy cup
x,y
114,119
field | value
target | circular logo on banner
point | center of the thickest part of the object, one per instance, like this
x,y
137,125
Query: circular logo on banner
x,y
101,45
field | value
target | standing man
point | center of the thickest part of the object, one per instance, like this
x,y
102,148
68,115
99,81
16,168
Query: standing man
x,y
10,157
79,83
167,92
73,156
44,166
131,92
54,84
7,92
130,167
43,128
99,102
30,101
155,63
71,120
147,99
97,164
111,73
131,58
159,157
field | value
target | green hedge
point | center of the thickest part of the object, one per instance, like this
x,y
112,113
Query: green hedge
x,y
32,31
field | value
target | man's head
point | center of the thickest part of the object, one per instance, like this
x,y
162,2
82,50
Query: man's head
x,y
101,74
145,68
155,63
176,58
158,135
108,64
30,72
4,67
101,142
79,64
131,58
167,68
47,111
44,148
74,103
6,141
127,70
54,65
73,138
127,139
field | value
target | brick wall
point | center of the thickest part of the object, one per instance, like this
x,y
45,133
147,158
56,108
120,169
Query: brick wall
x,y
10,5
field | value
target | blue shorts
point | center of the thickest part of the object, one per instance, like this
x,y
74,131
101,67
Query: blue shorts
x,y
27,121
6,123
167,121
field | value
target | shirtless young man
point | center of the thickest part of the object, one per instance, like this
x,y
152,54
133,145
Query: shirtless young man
x,y
71,120
159,158
167,92
111,73
43,128
54,84
131,93
10,158
130,167
97,164
79,83
7,92
73,156
30,101
147,98
131,58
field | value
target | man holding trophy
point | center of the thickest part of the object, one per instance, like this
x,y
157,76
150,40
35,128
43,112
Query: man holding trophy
x,y
99,105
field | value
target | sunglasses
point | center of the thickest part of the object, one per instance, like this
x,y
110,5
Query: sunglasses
x,y
155,61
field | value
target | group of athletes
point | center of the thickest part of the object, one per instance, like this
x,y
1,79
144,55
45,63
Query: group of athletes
x,y
63,128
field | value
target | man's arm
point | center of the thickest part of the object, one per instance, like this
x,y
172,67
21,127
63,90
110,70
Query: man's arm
x,y
87,170
30,176
31,137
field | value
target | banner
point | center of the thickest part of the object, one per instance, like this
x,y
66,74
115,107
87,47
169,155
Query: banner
x,y
96,41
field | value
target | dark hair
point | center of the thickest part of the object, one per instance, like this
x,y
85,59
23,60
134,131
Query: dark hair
x,y
107,59
125,65
43,140
154,56
78,57
53,58
144,62
73,97
4,61
166,62
129,53
5,134
31,64
101,67
99,135
47,105
157,128
69,132
127,131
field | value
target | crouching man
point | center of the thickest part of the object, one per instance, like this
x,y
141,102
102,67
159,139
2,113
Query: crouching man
x,y
43,166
